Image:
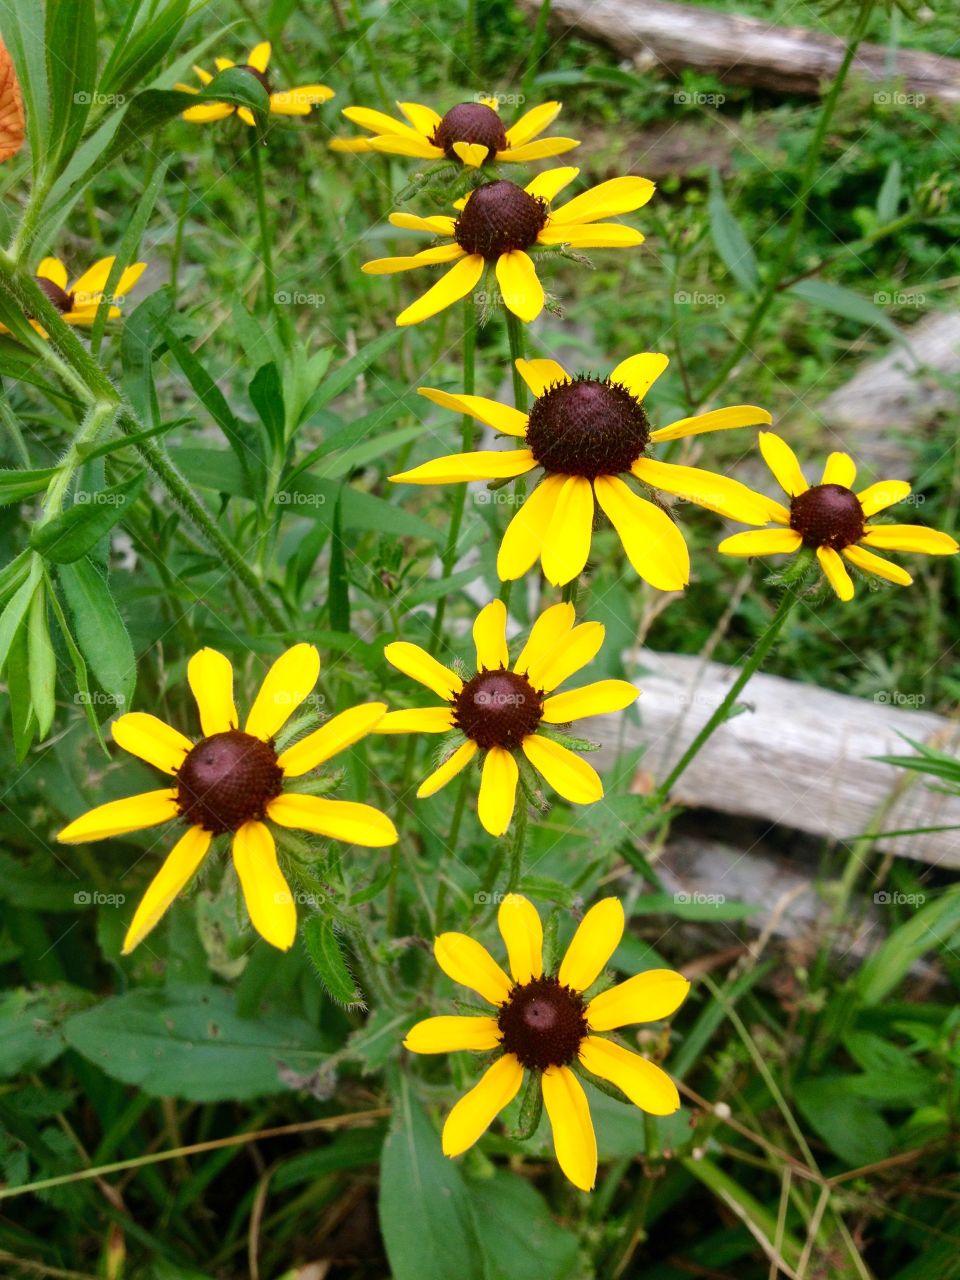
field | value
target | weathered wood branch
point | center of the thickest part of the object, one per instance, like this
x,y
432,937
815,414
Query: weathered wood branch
x,y
746,50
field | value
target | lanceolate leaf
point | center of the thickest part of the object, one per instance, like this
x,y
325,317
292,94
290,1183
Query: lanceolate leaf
x,y
71,38
99,630
78,530
728,236
324,950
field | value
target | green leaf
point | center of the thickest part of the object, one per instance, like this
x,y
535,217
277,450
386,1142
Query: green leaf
x,y
22,26
342,377
850,1128
100,631
935,925
729,239
42,662
844,302
888,201
16,609
17,485
133,60
338,595
30,1026
78,530
141,336
266,396
519,1238
425,1211
22,720
188,1042
71,37
324,950
240,89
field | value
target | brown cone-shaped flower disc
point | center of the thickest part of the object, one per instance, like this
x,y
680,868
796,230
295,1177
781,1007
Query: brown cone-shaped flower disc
x,y
499,217
589,427
470,122
543,1023
62,300
498,709
827,515
227,780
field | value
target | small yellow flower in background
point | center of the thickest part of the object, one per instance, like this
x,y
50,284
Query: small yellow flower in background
x,y
471,133
832,519
586,432
499,222
78,302
501,710
289,102
230,781
544,1024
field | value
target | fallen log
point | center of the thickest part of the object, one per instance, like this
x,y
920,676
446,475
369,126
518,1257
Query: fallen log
x,y
800,757
748,50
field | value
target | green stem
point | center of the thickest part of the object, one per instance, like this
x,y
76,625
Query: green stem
x,y
722,713
515,337
455,823
97,418
800,210
517,847
263,218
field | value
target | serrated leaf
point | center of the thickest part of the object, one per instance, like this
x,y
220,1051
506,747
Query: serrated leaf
x,y
328,959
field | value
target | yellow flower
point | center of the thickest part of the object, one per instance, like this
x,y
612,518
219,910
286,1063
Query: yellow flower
x,y
500,710
499,222
585,433
230,781
289,102
471,133
78,302
831,519
544,1024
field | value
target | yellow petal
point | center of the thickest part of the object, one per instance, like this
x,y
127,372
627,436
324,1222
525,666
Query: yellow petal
x,y
222,64
379,122
498,790
594,235
533,122
522,932
597,699
300,101
499,416
467,962
871,563
542,149
541,375
426,670
207,112
574,1140
646,997
653,543
340,819
353,146
643,1082
910,537
638,373
547,184
476,1110
762,542
547,635
563,660
180,864
449,1034
706,489
782,461
458,282
265,891
210,676
520,286
424,119
735,415
455,763
565,771
417,720
523,540
619,195
287,683
93,281
259,57
393,144
490,636
836,573
439,226
53,269
472,154
840,469
566,541
339,733
457,468
117,817
596,939
883,494
150,739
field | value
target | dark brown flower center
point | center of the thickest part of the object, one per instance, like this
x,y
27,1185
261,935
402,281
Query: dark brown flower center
x,y
498,709
827,515
62,300
257,75
498,217
227,780
470,122
543,1023
588,427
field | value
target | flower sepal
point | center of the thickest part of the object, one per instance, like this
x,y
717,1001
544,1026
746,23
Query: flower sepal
x,y
565,740
531,1109
530,784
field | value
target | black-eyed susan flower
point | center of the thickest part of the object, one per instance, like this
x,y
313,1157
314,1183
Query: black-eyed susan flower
x,y
499,222
471,133
231,782
832,520
78,302
502,710
586,433
543,1023
286,102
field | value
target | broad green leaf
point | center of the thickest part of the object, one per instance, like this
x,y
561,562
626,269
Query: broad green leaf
x,y
16,609
17,485
849,1126
240,89
189,1042
71,37
43,663
100,631
329,962
142,335
729,239
425,1211
518,1237
31,1026
78,530
266,396
844,302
